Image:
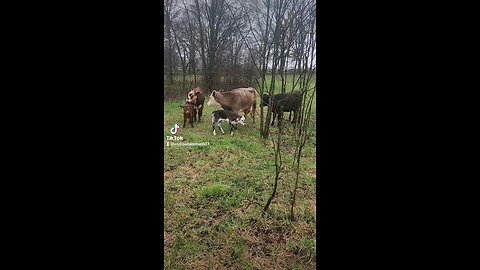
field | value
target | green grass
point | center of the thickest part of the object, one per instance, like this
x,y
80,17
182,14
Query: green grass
x,y
214,196
213,190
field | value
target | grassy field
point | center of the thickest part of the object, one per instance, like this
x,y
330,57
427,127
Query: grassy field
x,y
213,197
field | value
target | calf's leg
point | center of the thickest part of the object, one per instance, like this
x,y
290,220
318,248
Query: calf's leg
x,y
217,125
213,124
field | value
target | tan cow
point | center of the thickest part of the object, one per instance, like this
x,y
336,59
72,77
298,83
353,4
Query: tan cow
x,y
236,100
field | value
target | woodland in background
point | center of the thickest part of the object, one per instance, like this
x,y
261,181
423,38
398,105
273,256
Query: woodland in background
x,y
225,44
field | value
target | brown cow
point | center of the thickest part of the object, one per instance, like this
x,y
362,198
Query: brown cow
x,y
196,97
236,100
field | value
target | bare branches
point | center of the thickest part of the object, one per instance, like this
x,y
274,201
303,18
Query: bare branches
x,y
278,167
305,81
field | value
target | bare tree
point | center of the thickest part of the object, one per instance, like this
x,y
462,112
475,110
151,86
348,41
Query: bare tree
x,y
278,168
182,39
192,33
204,37
168,56
216,27
269,42
279,8
302,134
287,34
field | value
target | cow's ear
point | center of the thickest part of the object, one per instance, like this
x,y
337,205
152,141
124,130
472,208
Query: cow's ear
x,y
213,93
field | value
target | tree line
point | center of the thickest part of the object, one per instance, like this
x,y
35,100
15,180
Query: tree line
x,y
236,43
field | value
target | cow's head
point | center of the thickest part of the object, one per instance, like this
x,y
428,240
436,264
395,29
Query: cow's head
x,y
211,99
191,97
265,100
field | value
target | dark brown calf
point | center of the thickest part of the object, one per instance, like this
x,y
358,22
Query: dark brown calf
x,y
189,112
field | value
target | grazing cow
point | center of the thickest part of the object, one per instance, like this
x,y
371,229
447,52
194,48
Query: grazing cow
x,y
188,113
196,97
226,116
236,100
284,103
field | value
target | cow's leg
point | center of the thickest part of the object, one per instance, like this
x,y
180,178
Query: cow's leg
x,y
253,114
191,121
194,115
295,119
184,121
246,112
290,115
231,129
275,114
200,111
223,132
280,118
